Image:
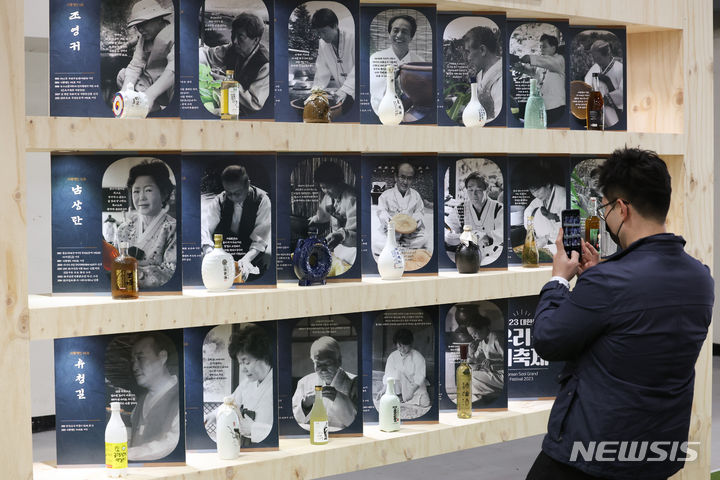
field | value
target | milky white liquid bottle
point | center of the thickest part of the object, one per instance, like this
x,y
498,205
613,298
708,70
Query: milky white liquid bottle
x,y
116,447
389,409
474,114
391,263
391,110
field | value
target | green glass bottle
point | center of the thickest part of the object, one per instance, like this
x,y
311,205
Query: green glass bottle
x,y
463,378
535,114
318,420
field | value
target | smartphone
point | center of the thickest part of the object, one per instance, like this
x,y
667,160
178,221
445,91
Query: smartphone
x,y
571,231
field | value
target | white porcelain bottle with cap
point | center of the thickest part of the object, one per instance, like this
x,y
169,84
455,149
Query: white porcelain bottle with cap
x,y
391,110
218,268
391,263
227,429
116,447
474,114
389,409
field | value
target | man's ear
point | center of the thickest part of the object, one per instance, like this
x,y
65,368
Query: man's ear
x,y
163,355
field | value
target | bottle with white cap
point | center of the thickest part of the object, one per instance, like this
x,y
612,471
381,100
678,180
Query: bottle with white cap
x,y
116,447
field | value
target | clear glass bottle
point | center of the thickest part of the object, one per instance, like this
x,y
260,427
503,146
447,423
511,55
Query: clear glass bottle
x,y
463,379
391,110
230,97
124,275
318,420
116,447
535,114
592,226
595,113
530,254
218,267
389,409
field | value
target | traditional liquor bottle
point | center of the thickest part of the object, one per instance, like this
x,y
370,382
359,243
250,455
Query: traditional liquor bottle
x,y
594,112
474,114
124,275
218,268
391,262
229,97
389,411
463,378
592,226
228,430
391,110
318,420
535,114
116,447
530,255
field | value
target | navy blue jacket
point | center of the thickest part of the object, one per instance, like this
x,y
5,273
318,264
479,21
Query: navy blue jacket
x,y
630,333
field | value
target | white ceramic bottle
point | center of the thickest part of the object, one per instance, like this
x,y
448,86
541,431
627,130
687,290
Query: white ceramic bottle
x,y
227,429
474,114
116,447
130,104
218,268
391,110
389,410
391,263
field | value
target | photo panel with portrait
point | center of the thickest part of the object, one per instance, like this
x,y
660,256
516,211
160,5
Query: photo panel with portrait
x,y
471,50
474,193
323,351
233,195
584,186
221,35
100,200
238,360
482,326
538,50
98,49
91,372
538,194
601,51
319,196
529,375
402,189
318,48
401,344
404,38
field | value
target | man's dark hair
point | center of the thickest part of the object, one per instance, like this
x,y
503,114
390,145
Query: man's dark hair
x,y
323,18
249,23
235,174
550,39
641,178
159,173
482,183
403,337
482,36
161,342
407,18
329,172
477,321
250,339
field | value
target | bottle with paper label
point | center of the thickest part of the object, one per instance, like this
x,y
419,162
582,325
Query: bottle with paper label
x,y
229,97
318,420
463,378
592,226
116,443
389,411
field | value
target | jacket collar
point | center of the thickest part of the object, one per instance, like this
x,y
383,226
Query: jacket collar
x,y
652,241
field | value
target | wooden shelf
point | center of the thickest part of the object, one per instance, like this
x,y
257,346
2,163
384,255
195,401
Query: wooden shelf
x,y
299,460
109,134
72,316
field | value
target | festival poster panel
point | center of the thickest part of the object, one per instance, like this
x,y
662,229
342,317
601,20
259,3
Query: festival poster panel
x,y
96,48
238,360
100,200
215,187
91,372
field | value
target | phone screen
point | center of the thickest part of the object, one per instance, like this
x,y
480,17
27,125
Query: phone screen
x,y
571,231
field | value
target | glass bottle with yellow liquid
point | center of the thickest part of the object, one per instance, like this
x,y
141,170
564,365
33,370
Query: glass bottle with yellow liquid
x,y
592,226
595,113
124,275
530,254
463,378
229,97
318,420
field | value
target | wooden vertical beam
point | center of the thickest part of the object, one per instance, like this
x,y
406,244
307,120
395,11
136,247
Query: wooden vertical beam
x,y
16,440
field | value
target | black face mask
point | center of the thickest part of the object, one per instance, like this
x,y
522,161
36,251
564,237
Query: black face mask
x,y
615,237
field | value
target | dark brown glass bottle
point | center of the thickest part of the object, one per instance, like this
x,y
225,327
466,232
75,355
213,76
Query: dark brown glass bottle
x,y
124,275
594,112
592,226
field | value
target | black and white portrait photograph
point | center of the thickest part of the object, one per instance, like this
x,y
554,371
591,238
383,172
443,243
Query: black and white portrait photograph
x,y
472,53
402,191
142,372
403,38
538,196
140,208
481,326
474,195
601,52
584,185
403,348
321,54
137,50
234,35
238,361
235,201
323,200
325,352
537,51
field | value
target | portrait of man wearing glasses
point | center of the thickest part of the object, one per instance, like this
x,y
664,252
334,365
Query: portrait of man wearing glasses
x,y
630,332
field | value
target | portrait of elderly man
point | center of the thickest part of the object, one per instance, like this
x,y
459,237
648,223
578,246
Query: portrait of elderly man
x,y
610,74
340,389
155,420
485,67
484,216
152,67
242,211
247,57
